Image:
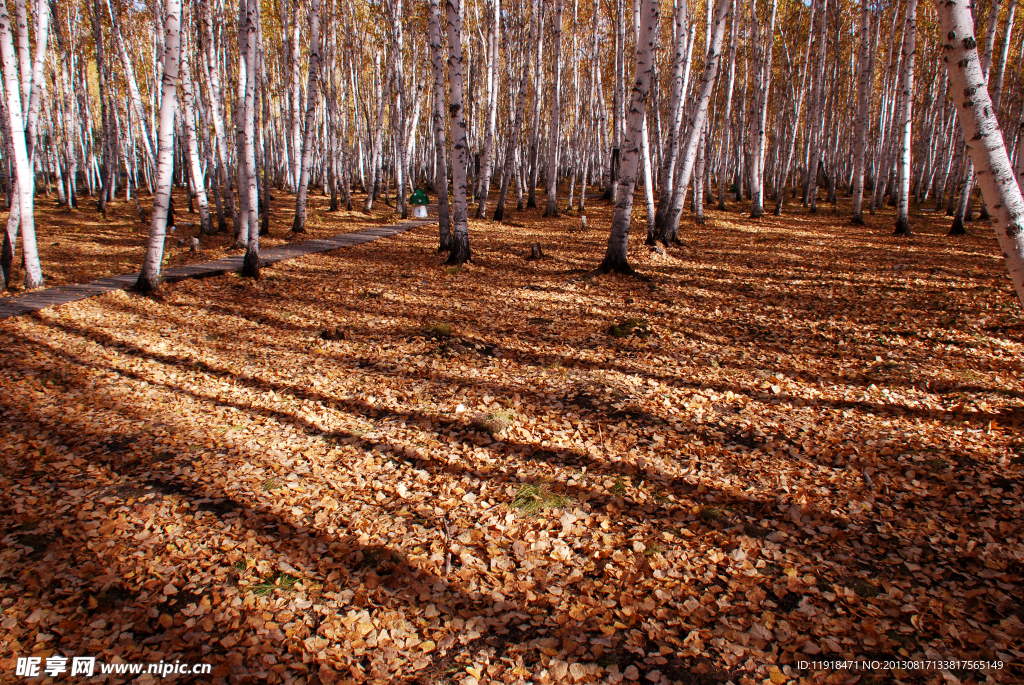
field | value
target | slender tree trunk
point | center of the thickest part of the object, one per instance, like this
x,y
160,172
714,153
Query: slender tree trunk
x,y
460,252
675,116
696,124
517,117
149,278
437,122
907,78
211,70
25,184
251,261
312,91
493,81
615,259
195,166
864,88
133,85
556,111
398,120
723,165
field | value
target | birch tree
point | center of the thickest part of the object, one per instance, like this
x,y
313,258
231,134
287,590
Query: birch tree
x,y
907,85
556,111
24,181
312,92
864,88
437,123
149,277
460,252
616,257
981,132
688,158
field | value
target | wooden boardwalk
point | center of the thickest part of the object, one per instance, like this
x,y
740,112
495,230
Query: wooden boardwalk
x,y
40,299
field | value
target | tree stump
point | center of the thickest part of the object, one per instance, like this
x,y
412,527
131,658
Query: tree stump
x,y
536,252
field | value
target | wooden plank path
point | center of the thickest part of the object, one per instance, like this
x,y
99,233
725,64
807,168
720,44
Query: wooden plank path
x,y
40,299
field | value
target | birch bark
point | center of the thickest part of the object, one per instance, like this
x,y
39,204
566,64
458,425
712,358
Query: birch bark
x,y
615,259
696,123
864,87
251,261
460,252
723,164
211,70
312,92
149,278
195,166
675,114
487,162
437,122
556,112
906,125
981,131
517,120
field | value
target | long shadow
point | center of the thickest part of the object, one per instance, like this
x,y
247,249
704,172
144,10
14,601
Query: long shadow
x,y
398,579
625,574
362,365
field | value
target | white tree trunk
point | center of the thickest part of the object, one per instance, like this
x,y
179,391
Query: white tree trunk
x,y
864,88
437,122
907,122
493,81
556,111
296,98
195,166
723,162
697,118
42,12
133,84
22,165
312,92
758,124
615,259
460,252
675,114
247,163
149,278
517,116
211,69
981,131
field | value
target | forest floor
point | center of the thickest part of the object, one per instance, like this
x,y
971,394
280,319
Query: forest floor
x,y
77,246
798,442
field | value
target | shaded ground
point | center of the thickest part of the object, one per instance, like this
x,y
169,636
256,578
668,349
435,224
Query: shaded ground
x,y
804,448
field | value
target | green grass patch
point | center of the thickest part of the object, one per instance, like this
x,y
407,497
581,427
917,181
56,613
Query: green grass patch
x,y
712,514
863,588
494,423
277,581
533,499
441,330
625,328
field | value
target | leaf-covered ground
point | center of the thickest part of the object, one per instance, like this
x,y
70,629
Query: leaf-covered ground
x,y
80,245
797,442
